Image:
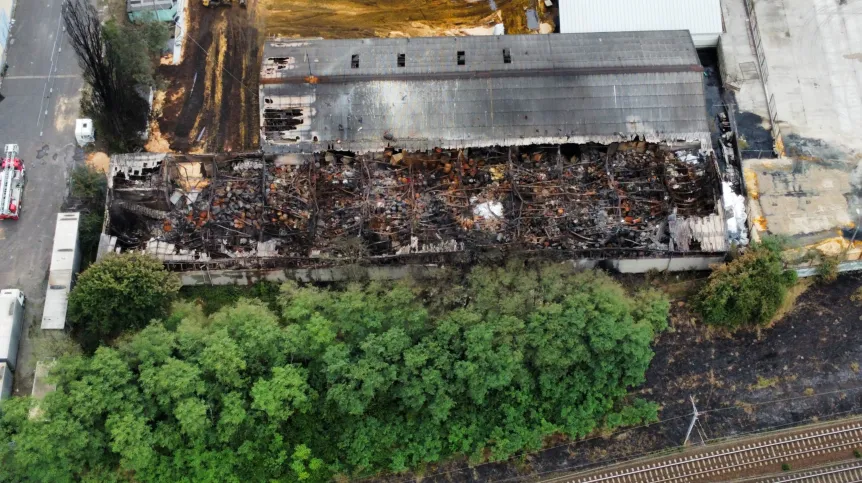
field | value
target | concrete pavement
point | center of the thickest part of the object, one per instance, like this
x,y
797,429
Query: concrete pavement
x,y
813,54
42,97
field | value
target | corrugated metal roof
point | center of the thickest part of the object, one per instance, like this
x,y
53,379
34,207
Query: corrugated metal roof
x,y
555,89
65,241
701,17
358,58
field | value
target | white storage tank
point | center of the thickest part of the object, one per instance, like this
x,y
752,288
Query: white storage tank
x,y
11,323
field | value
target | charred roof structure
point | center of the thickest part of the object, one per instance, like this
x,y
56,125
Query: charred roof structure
x,y
626,200
455,92
444,150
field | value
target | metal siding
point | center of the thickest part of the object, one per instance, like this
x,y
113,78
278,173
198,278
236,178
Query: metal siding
x,y
701,17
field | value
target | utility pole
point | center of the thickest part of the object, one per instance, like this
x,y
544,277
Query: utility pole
x,y
694,416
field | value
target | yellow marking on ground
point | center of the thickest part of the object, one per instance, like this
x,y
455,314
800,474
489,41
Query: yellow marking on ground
x,y
751,183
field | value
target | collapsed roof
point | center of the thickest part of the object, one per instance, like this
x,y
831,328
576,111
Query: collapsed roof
x,y
454,92
625,200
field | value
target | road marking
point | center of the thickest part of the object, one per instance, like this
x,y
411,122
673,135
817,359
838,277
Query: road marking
x,y
61,76
2,234
50,70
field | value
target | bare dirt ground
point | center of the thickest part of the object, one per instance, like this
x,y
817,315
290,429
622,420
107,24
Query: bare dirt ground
x,y
387,18
805,368
210,103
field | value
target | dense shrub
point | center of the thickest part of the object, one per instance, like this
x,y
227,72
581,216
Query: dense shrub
x,y
118,293
827,269
747,291
354,381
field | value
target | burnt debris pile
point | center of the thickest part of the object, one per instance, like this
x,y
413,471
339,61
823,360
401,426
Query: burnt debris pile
x,y
634,198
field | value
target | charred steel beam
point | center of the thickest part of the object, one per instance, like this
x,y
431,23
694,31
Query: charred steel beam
x,y
484,74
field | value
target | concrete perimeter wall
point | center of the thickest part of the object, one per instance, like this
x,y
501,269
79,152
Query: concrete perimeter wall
x,y
396,272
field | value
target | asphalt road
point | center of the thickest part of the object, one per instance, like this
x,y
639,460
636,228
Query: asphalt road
x,y
42,96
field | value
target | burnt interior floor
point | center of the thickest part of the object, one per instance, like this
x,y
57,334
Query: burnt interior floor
x,y
631,199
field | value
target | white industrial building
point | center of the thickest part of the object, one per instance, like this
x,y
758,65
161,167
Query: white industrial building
x,y
702,18
65,262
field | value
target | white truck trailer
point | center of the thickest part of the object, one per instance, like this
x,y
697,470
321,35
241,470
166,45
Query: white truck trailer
x,y
11,324
65,262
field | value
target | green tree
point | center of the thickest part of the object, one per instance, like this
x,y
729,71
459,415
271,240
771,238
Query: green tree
x,y
88,184
747,291
109,97
354,381
137,47
88,189
118,293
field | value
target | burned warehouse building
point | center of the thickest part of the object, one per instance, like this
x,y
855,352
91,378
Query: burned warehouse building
x,y
586,146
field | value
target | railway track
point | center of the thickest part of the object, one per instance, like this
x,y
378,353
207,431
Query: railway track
x,y
844,473
724,462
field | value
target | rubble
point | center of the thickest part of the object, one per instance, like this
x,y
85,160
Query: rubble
x,y
733,192
636,197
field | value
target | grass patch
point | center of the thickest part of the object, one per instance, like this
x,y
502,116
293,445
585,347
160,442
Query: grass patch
x,y
854,366
793,293
764,382
857,296
213,298
748,408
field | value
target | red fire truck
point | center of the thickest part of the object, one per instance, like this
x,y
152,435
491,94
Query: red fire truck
x,y
11,183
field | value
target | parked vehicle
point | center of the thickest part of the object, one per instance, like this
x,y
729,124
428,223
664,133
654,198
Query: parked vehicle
x,y
11,183
11,324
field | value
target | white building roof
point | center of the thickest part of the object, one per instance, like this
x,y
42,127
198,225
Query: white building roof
x,y
701,17
65,241
56,300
